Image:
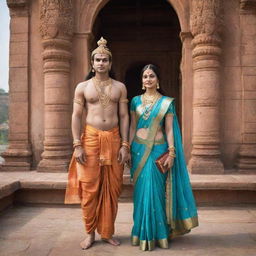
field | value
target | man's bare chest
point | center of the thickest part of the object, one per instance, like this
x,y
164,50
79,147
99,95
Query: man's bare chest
x,y
94,95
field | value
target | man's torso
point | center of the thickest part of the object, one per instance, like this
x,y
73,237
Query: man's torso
x,y
102,114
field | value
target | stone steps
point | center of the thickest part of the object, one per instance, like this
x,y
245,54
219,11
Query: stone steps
x,y
49,188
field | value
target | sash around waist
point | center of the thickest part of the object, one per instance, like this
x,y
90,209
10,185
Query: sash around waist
x,y
88,129
104,139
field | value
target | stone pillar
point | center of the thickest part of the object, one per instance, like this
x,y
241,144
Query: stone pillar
x,y
56,30
81,60
206,21
247,154
187,91
18,154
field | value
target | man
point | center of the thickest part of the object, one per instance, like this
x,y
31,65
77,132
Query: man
x,y
96,168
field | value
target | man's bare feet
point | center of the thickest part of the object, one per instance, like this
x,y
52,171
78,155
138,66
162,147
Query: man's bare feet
x,y
88,241
112,241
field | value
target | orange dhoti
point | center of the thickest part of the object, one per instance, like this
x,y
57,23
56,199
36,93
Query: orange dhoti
x,y
97,183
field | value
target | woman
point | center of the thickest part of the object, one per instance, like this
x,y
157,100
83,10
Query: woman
x,y
164,205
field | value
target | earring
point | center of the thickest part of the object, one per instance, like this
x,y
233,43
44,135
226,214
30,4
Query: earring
x,y
93,71
143,87
157,86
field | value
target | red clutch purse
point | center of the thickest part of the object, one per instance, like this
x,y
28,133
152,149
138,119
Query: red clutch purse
x,y
160,162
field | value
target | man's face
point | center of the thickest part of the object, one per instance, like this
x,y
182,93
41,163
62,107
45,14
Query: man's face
x,y
101,63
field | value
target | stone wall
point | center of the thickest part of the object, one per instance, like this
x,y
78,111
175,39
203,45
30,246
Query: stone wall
x,y
218,72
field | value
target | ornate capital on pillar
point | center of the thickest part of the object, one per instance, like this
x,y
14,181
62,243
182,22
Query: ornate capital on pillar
x,y
17,3
247,6
56,18
206,17
56,29
18,7
206,23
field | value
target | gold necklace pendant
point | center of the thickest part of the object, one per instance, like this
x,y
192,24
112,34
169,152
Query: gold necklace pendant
x,y
104,98
148,103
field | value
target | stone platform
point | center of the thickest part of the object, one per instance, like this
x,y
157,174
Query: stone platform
x,y
49,188
57,231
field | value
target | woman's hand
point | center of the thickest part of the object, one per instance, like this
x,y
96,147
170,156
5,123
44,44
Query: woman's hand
x,y
168,162
123,155
80,155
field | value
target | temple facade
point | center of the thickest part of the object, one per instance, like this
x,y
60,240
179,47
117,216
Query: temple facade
x,y
205,49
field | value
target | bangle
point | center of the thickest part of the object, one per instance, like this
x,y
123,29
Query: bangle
x,y
126,144
75,146
171,148
77,143
78,102
172,151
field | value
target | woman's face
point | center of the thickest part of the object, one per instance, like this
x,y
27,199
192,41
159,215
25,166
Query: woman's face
x,y
149,79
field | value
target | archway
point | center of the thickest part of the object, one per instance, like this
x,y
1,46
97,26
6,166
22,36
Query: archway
x,y
147,32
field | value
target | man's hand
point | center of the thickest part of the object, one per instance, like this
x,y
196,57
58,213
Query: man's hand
x,y
80,155
123,155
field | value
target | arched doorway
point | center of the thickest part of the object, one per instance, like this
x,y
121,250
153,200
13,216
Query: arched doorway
x,y
141,32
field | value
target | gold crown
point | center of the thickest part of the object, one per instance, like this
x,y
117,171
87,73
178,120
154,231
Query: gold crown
x,y
102,48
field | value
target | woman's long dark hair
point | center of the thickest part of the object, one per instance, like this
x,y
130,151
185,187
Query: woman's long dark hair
x,y
92,74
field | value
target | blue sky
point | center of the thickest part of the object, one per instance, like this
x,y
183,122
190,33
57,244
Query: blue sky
x,y
4,45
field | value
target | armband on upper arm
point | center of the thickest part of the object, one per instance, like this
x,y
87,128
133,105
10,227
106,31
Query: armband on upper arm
x,y
78,102
123,101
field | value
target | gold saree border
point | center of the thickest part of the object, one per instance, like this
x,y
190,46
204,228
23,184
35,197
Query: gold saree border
x,y
149,142
182,227
149,245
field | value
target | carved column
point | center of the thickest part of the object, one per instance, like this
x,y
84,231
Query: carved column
x,y
18,155
247,154
187,91
205,26
56,30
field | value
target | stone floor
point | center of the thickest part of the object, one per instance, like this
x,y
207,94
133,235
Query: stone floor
x,y
54,231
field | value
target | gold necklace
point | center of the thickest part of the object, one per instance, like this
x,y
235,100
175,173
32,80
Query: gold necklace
x,y
148,101
104,97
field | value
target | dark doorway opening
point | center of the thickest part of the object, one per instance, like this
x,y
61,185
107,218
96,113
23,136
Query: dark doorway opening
x,y
140,32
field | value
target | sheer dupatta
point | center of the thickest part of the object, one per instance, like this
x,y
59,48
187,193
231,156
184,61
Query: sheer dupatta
x,y
181,209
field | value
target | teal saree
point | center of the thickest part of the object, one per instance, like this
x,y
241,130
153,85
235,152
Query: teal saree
x,y
164,205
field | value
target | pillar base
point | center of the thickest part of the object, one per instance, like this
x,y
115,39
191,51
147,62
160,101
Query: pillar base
x,y
246,163
53,165
16,160
202,165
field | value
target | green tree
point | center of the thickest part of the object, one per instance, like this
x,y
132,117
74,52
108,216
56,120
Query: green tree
x,y
3,113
